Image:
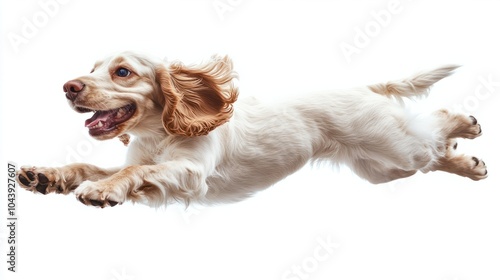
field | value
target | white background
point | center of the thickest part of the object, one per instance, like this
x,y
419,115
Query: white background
x,y
429,226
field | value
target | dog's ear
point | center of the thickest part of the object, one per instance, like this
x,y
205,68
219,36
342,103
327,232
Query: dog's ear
x,y
197,99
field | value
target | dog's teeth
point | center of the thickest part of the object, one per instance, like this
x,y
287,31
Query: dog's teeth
x,y
120,113
99,125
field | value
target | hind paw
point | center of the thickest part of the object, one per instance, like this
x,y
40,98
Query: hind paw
x,y
477,170
467,166
466,127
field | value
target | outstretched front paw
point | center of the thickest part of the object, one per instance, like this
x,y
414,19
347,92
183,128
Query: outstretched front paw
x,y
100,194
41,179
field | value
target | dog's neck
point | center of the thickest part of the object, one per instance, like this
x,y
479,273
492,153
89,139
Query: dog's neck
x,y
151,126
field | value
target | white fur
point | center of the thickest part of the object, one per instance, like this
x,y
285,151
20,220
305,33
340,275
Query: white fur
x,y
261,144
264,143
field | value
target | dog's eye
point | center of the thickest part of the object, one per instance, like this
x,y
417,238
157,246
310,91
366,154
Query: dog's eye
x,y
122,72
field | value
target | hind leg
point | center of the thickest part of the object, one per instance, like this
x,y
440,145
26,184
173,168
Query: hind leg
x,y
376,173
454,126
458,125
463,165
420,157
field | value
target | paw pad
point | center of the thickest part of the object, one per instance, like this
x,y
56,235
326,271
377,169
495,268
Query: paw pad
x,y
30,175
24,181
41,180
99,195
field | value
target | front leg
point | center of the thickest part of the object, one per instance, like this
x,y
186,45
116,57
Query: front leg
x,y
63,180
153,185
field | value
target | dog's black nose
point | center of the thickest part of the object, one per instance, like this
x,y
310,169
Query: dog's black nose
x,y
72,88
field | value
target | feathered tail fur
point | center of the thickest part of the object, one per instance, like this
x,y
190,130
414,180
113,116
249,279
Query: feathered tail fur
x,y
417,85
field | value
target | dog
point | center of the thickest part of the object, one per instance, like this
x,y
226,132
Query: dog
x,y
194,143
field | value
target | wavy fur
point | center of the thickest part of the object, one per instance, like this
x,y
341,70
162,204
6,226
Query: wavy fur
x,y
190,145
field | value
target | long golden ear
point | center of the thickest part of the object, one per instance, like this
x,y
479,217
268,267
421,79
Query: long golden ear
x,y
197,98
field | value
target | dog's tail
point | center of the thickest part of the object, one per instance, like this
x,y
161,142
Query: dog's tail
x,y
415,86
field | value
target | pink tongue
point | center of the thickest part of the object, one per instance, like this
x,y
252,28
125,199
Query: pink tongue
x,y
99,116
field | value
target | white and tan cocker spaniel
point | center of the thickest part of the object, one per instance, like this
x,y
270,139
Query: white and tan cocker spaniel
x,y
193,143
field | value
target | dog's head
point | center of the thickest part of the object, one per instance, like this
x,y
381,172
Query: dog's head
x,y
131,93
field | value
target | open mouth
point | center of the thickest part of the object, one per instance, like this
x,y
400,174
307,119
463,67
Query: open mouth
x,y
103,122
